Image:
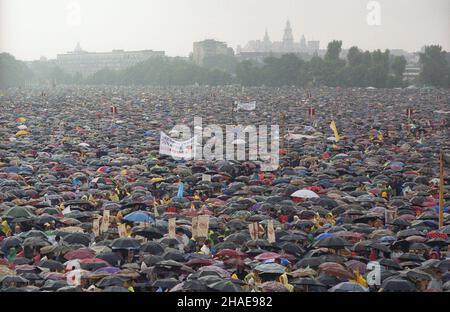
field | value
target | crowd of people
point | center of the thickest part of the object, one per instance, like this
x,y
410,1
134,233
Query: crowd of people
x,y
87,200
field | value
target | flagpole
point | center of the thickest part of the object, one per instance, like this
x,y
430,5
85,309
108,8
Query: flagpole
x,y
441,189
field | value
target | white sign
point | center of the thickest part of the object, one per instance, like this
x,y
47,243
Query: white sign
x,y
176,149
245,106
206,177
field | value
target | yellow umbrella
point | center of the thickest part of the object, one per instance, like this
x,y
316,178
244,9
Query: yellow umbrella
x,y
21,132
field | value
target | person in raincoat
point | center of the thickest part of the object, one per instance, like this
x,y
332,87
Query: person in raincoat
x,y
5,228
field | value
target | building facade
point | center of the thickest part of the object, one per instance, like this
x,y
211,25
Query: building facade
x,y
209,47
286,45
87,63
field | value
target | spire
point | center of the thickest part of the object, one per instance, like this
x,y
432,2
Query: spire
x,y
288,38
266,36
78,48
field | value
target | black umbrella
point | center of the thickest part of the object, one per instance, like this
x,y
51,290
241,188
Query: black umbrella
x,y
165,282
51,264
115,289
78,238
396,284
225,286
390,264
332,242
8,279
112,280
174,255
125,243
311,262
195,285
148,232
9,242
152,248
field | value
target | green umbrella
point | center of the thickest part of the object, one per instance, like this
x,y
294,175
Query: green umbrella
x,y
18,212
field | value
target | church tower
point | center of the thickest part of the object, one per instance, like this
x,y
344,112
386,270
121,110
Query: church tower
x,y
303,46
288,38
267,45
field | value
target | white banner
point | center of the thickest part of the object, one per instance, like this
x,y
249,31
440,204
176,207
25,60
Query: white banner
x,y
245,106
176,149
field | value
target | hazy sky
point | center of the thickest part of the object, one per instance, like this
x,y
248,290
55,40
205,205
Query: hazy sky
x,y
33,28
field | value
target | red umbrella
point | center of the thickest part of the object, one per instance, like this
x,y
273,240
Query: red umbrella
x,y
199,262
97,260
230,253
267,256
82,253
436,234
335,269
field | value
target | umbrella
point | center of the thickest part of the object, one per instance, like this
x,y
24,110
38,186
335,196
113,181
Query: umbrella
x,y
304,194
332,242
125,243
165,282
10,242
148,232
51,265
267,256
348,287
309,262
273,286
225,286
112,280
19,212
152,248
396,284
81,253
78,238
8,279
335,269
111,257
138,216
272,268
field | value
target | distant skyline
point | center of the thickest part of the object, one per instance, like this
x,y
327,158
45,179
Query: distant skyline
x,y
30,29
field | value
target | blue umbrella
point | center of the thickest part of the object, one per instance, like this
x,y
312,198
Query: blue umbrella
x,y
322,236
387,239
138,216
180,189
436,208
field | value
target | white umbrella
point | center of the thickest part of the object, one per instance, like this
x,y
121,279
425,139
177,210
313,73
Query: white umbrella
x,y
304,194
22,127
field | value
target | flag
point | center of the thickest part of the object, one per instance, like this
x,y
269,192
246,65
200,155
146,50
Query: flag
x,y
335,131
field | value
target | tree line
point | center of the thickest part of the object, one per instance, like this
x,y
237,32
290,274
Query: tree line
x,y
378,69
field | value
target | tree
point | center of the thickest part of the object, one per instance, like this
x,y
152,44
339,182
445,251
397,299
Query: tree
x,y
334,49
398,66
13,72
434,69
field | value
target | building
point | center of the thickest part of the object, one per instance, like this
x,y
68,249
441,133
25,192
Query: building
x,y
209,47
286,45
86,63
412,72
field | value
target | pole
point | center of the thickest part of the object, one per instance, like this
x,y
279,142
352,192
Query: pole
x,y
441,189
282,130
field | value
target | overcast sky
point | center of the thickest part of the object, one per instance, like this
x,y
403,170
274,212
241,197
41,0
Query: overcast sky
x,y
33,28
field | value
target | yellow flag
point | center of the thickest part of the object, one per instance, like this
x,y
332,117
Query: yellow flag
x,y
360,279
334,128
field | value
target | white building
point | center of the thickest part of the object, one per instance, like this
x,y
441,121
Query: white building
x,y
209,47
86,63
